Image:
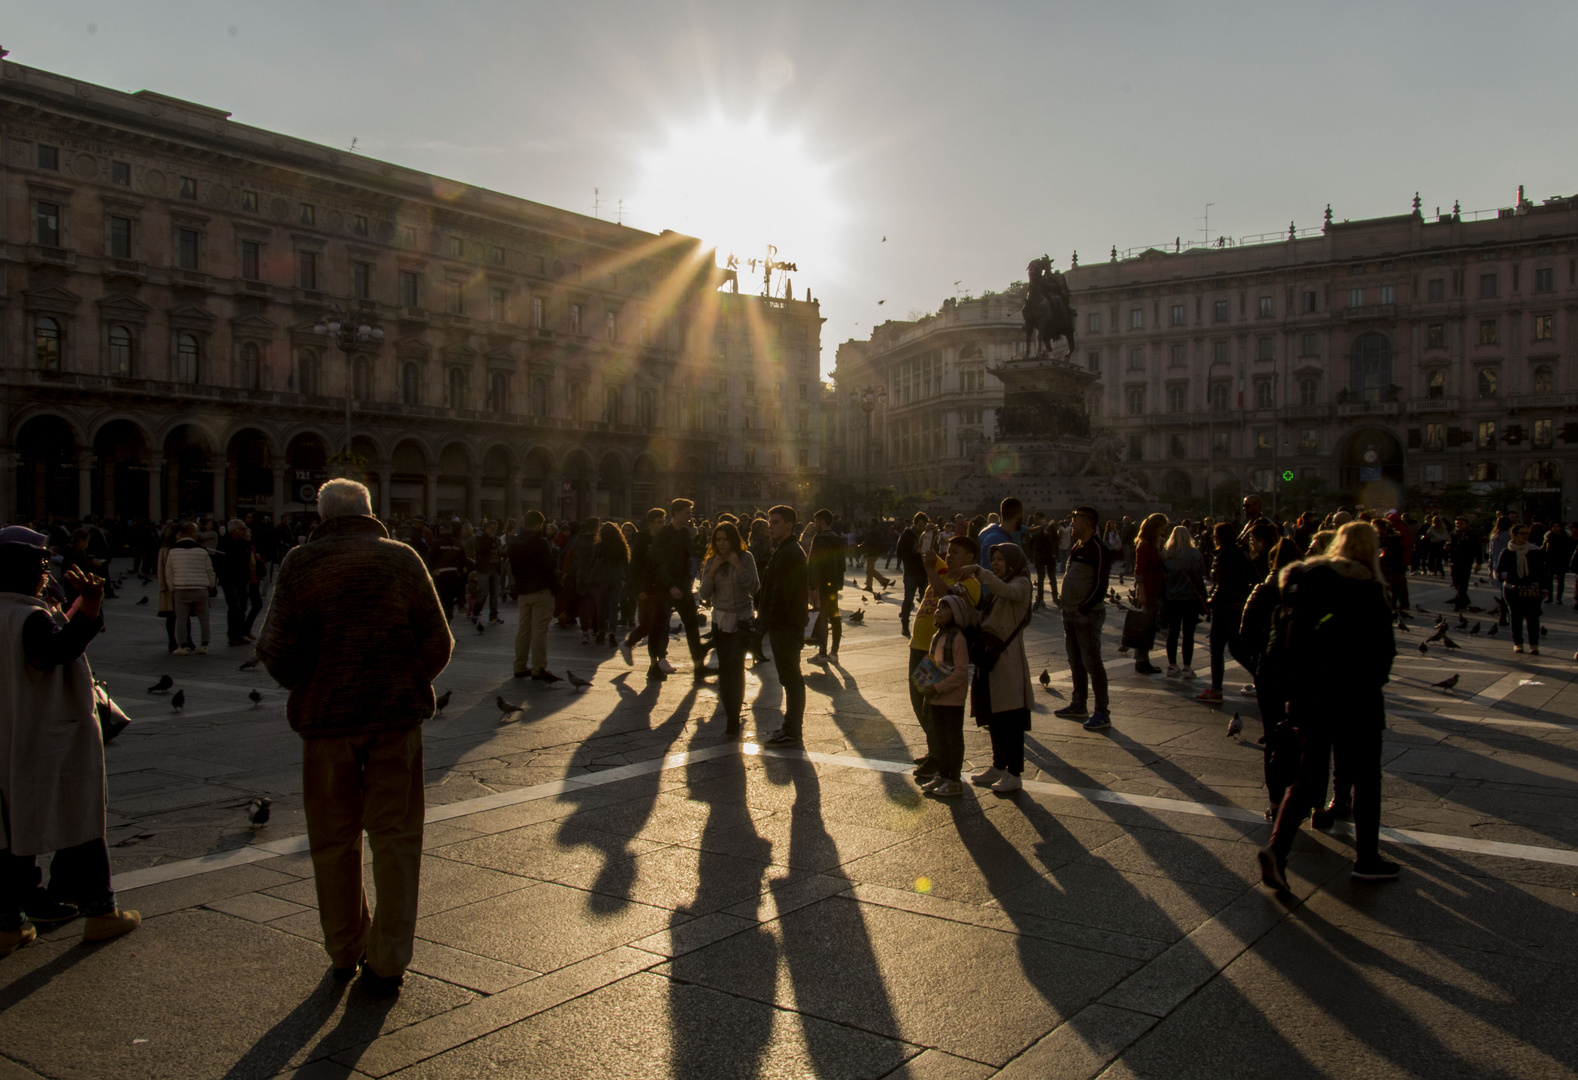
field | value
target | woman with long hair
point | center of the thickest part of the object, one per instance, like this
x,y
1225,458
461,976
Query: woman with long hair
x,y
1002,695
1184,569
1150,586
610,567
1329,671
729,580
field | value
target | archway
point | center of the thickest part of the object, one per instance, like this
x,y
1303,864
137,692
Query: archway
x,y
250,472
611,487
536,478
1370,455
497,473
575,488
189,473
120,476
408,480
46,471
307,465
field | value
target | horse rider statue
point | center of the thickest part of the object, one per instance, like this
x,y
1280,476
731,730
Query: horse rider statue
x,y
1049,309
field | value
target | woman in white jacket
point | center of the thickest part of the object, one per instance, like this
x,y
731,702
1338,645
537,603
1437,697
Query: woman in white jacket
x,y
191,574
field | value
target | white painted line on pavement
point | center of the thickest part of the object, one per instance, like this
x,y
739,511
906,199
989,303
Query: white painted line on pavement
x,y
1500,688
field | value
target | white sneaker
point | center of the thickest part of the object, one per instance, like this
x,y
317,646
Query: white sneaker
x,y
182,651
1009,782
933,782
1188,673
987,778
665,667
1172,671
946,789
202,650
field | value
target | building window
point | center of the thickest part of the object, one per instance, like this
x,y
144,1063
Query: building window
x,y
309,214
575,319
1265,307
1436,388
577,396
120,173
1265,395
362,280
1136,359
1178,314
1219,444
249,202
459,391
804,458
1435,336
189,187
1094,322
1217,397
1309,391
1093,361
1435,289
1264,442
1136,397
1177,447
1136,448
307,372
454,245
1355,298
539,398
1544,327
1487,286
1218,352
120,351
610,326
1544,379
1178,398
46,343
1371,367
48,158
362,379
48,219
359,225
1388,294
1311,299
410,288
612,400
646,410
1309,345
186,249
1544,279
497,306
1489,332
1308,442
1542,433
1486,382
408,236
1179,355
410,385
538,316
1435,436
186,358
455,298
1485,435
1266,348
1219,311
1137,319
251,366
496,255
251,260
120,238
1484,472
1261,479
307,269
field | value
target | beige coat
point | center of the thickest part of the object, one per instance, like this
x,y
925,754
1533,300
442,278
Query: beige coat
x,y
1010,679
51,749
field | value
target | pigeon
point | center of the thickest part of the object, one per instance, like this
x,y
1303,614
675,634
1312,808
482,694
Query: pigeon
x,y
1462,621
1475,608
856,618
1447,683
162,686
1450,644
178,702
1401,625
258,810
1544,630
256,696
1438,635
1234,726
1424,650
506,707
576,681
143,601
865,599
248,665
1474,630
1046,679
443,699
1420,609
1493,628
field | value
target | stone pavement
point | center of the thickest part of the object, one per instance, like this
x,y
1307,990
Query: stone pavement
x,y
610,890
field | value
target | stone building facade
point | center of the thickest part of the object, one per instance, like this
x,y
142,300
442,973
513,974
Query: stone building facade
x,y
165,270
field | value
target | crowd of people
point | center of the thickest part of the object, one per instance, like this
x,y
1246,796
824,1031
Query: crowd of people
x,y
360,619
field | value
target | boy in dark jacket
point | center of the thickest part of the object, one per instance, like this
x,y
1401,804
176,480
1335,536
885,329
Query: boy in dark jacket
x,y
827,568
536,571
669,561
781,605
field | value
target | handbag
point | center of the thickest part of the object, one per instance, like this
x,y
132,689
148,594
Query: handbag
x,y
112,721
929,672
1139,628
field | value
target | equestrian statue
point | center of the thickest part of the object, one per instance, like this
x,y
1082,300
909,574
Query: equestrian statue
x,y
1049,310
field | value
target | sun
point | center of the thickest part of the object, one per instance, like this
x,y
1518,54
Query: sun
x,y
740,186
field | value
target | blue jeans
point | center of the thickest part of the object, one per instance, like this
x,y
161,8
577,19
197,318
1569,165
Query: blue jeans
x,y
493,582
608,606
914,586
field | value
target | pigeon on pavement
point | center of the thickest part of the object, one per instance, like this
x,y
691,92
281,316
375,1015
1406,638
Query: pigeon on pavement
x,y
1424,650
143,601
258,811
1046,679
178,702
1450,644
1234,726
248,665
1474,630
162,686
576,681
1447,684
443,699
257,697
1493,628
507,708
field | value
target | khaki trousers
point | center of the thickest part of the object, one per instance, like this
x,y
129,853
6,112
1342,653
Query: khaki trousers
x,y
371,782
531,635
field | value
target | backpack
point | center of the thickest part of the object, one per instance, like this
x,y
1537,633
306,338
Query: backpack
x,y
1305,646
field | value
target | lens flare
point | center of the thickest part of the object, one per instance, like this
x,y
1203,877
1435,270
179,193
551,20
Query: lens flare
x,y
923,884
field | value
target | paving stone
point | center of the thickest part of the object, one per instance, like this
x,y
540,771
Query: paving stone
x,y
256,907
444,883
479,973
1139,904
1080,1048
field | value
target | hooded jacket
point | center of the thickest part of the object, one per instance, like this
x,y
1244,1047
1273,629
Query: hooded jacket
x,y
1343,646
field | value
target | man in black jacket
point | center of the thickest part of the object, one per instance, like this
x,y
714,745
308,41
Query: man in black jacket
x,y
1465,553
536,574
669,559
643,584
1083,600
914,566
827,569
234,567
781,607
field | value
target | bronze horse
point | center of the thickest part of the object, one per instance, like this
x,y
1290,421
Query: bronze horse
x,y
1048,312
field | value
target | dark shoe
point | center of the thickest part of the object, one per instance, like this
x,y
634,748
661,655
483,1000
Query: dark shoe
x,y
381,985
343,975
655,672
925,773
783,738
523,674
923,759
41,909
1322,819
1071,712
1147,668
546,676
1375,868
732,732
1273,870
700,674
1340,811
904,628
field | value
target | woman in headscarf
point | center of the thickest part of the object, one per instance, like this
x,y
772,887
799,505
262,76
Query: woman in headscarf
x,y
1002,694
52,793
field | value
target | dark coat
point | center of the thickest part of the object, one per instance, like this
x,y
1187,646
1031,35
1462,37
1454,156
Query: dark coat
x,y
781,602
354,632
668,559
828,564
1344,645
533,563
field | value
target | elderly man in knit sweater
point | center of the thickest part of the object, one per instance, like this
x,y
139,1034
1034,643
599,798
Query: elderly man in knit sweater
x,y
357,635
190,571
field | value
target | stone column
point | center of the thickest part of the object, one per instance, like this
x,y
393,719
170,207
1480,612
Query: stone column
x,y
474,499
280,472
431,496
156,508
221,512
512,497
9,459
385,479
85,461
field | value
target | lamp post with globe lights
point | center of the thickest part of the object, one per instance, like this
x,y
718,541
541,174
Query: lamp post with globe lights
x,y
867,398
350,337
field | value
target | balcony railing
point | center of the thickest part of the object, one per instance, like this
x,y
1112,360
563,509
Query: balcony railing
x,y
1369,311
1368,408
1306,412
1543,401
1435,404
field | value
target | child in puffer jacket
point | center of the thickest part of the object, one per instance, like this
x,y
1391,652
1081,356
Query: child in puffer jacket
x,y
945,699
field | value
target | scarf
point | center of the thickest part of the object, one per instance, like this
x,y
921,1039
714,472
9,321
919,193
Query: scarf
x,y
1522,552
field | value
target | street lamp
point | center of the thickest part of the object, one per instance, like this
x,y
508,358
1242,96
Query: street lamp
x,y
349,338
867,398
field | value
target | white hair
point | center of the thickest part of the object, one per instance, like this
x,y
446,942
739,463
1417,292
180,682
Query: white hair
x,y
344,498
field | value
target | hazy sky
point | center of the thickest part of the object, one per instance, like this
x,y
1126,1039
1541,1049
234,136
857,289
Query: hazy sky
x,y
972,136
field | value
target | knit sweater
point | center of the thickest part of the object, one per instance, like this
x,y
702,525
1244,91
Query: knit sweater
x,y
188,566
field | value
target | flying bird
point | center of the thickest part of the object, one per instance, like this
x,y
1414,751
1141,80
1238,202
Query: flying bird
x,y
443,699
162,686
881,302
248,665
257,697
258,811
885,240
144,600
1474,630
505,707
576,681
1234,726
1447,683
178,702
1046,679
